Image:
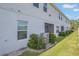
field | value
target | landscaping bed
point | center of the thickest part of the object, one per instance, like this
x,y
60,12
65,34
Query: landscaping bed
x,y
67,47
34,52
37,44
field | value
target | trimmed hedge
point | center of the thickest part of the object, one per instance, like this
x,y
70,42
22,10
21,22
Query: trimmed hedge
x,y
65,33
52,38
36,42
62,34
33,41
41,42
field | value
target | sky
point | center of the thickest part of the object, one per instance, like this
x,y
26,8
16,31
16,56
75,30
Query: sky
x,y
71,10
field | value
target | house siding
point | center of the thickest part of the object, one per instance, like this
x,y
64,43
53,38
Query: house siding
x,y
36,18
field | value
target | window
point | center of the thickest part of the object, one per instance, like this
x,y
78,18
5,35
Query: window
x,y
36,5
49,28
62,28
22,29
59,16
57,29
45,7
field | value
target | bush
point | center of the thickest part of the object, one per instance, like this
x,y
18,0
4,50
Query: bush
x,y
41,44
36,42
62,34
52,38
41,41
69,32
33,41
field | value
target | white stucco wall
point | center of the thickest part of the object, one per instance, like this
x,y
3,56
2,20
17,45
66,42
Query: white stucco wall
x,y
35,17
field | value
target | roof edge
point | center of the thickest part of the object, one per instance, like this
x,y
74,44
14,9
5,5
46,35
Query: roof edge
x,y
57,9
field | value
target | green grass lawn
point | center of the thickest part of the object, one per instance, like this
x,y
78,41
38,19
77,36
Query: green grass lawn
x,y
67,47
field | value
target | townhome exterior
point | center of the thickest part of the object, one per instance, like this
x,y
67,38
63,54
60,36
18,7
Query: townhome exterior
x,y
19,20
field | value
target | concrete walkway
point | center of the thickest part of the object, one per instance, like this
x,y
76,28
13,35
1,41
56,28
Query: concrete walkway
x,y
15,53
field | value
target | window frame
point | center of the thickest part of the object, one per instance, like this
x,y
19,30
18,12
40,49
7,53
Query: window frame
x,y
57,29
59,16
20,30
49,27
36,5
45,7
62,28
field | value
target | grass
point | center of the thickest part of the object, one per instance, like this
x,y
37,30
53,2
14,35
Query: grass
x,y
29,53
67,47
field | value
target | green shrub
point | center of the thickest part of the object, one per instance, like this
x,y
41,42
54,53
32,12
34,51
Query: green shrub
x,y
41,44
69,32
33,41
52,38
36,42
62,34
41,41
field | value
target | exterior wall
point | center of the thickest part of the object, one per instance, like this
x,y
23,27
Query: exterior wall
x,y
35,17
54,18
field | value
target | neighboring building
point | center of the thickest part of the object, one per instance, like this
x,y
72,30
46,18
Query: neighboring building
x,y
18,21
